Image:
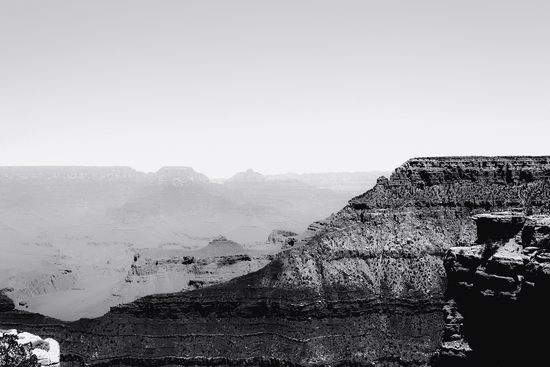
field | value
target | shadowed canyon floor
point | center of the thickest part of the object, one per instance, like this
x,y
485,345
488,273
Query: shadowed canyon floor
x,y
367,287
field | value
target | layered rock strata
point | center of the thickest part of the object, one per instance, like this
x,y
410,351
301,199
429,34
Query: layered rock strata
x,y
367,288
501,287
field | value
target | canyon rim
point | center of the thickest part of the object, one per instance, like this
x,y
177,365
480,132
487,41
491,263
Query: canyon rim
x,y
368,286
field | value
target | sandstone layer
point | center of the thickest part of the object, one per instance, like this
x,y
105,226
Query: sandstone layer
x,y
366,288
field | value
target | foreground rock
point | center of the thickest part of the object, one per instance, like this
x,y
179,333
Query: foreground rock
x,y
31,350
367,288
501,287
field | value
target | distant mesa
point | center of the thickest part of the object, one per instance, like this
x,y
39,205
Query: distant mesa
x,y
222,244
182,174
221,239
350,182
69,173
248,176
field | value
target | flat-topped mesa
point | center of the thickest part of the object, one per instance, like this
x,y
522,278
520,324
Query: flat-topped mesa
x,y
72,173
246,177
180,173
438,170
486,183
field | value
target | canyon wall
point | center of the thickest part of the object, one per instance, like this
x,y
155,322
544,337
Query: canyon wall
x,y
72,231
366,288
499,289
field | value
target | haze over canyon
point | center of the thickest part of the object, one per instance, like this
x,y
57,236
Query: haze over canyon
x,y
444,263
76,240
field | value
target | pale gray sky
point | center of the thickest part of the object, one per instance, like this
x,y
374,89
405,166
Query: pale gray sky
x,y
279,86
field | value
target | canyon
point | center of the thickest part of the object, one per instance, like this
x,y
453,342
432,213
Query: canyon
x,y
69,235
401,276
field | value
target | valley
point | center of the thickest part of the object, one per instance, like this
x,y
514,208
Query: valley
x,y
75,240
409,273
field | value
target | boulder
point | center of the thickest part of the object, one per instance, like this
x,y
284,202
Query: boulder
x,y
46,350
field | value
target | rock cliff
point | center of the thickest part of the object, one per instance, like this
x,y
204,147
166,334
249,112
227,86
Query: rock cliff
x,y
499,288
367,288
6,304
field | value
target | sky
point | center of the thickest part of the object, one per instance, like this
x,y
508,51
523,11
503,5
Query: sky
x,y
277,86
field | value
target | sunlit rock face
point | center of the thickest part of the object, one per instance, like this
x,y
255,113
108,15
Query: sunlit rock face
x,y
500,287
366,288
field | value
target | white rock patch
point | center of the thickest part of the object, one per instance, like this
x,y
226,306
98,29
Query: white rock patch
x,y
46,350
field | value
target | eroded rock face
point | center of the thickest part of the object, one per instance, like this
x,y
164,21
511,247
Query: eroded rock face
x,y
285,239
501,287
366,288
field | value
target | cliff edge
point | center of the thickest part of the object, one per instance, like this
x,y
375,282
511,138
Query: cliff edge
x,y
499,289
366,288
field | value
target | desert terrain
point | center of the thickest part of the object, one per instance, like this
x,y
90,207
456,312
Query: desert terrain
x,y
76,241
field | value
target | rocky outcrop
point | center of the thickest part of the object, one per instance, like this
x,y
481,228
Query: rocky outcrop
x,y
29,284
46,350
501,287
367,288
13,354
284,239
180,270
25,350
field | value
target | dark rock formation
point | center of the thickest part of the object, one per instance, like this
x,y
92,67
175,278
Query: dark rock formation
x,y
6,303
501,288
367,288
